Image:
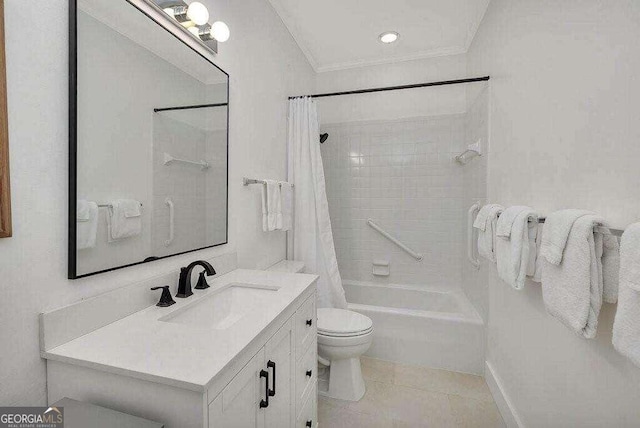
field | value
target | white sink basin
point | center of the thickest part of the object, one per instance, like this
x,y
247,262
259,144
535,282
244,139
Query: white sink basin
x,y
223,308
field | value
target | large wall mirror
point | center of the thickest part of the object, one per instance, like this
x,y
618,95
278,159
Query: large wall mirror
x,y
148,141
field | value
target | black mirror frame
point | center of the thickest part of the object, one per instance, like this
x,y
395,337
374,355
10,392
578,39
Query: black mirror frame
x,y
73,148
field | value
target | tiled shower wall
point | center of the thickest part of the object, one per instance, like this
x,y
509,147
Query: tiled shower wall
x,y
402,175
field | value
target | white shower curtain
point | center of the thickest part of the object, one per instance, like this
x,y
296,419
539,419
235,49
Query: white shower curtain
x,y
312,238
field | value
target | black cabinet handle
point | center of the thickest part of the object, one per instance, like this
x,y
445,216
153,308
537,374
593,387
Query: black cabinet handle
x,y
309,373
265,402
272,365
309,423
309,322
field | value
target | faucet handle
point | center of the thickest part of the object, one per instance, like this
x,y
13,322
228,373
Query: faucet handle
x,y
202,282
165,298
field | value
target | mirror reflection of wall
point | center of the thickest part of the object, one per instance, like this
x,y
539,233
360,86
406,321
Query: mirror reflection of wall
x,y
146,102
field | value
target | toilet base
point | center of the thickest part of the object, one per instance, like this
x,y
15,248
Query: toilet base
x,y
345,380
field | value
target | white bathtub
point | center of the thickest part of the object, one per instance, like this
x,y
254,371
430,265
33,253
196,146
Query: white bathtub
x,y
421,325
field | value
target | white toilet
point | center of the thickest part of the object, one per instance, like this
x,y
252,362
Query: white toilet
x,y
343,336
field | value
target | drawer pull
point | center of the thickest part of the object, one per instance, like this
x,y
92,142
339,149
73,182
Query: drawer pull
x,y
265,403
309,322
309,423
309,373
272,365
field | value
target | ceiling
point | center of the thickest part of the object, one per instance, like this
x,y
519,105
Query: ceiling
x,y
338,34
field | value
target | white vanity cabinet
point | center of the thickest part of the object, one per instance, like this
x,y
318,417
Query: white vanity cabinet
x,y
188,377
277,388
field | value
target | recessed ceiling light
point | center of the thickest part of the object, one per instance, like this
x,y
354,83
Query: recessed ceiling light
x,y
388,37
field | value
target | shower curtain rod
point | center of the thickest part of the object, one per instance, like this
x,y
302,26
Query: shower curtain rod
x,y
156,110
395,88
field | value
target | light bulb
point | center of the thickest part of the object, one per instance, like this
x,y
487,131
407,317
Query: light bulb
x,y
195,30
220,31
169,11
198,13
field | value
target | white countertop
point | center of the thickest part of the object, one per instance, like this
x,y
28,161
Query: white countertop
x,y
186,356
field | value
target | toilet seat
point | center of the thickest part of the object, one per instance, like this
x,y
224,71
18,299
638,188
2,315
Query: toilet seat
x,y
334,322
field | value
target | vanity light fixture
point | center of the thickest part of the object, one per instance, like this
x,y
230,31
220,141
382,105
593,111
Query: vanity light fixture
x,y
388,37
194,17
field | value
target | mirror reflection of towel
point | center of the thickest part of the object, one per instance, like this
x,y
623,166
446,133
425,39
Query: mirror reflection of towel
x,y
86,224
124,219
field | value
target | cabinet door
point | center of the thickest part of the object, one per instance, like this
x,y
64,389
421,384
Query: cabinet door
x,y
238,405
279,359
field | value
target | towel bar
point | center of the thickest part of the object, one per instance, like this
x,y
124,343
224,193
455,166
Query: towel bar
x,y
247,181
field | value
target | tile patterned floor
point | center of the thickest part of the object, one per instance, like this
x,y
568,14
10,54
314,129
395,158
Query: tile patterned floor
x,y
407,396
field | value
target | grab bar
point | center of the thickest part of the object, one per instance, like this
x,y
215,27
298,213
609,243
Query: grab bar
x,y
413,254
470,235
168,159
169,203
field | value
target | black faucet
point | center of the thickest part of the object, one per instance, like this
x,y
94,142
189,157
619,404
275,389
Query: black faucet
x,y
184,284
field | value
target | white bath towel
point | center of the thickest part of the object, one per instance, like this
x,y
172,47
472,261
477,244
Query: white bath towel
x,y
271,206
86,224
610,268
513,246
485,222
556,231
124,219
286,195
572,290
626,326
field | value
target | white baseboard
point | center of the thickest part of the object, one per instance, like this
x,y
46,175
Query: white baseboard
x,y
505,406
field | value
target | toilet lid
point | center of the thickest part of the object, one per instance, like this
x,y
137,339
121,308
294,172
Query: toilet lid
x,y
341,322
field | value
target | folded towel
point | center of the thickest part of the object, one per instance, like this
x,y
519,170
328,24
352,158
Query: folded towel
x,y
626,326
485,222
513,247
556,232
124,219
572,291
286,195
485,215
86,225
83,210
507,218
610,268
271,206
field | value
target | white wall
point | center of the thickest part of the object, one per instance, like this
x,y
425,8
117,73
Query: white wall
x,y
396,104
265,66
564,133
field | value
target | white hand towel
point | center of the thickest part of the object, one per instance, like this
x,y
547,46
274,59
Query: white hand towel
x,y
507,218
83,210
556,232
124,219
274,214
513,250
485,215
626,326
610,268
86,225
485,222
286,195
265,210
572,291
